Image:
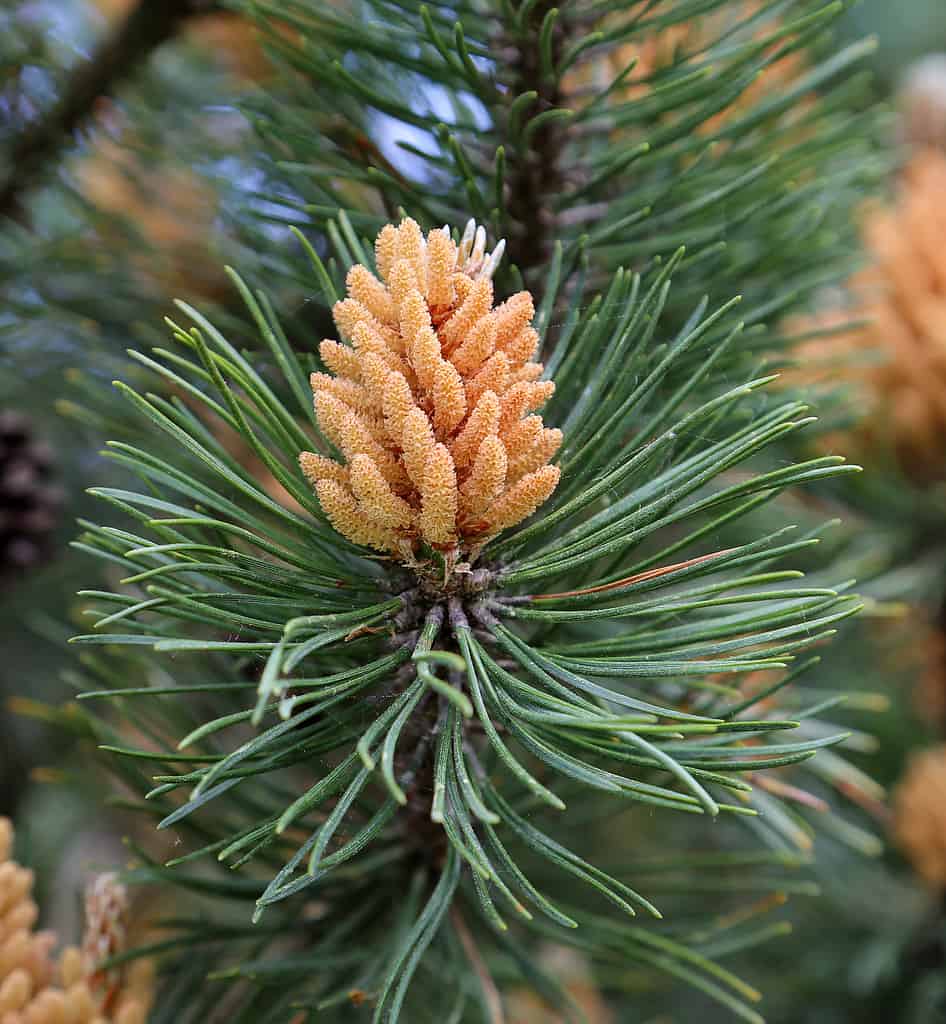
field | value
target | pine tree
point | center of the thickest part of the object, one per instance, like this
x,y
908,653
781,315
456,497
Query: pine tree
x,y
500,646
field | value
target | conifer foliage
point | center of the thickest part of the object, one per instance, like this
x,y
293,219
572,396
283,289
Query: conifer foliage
x,y
388,714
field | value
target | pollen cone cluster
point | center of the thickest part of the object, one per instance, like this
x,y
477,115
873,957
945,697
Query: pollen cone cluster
x,y
160,218
651,53
919,822
431,400
35,988
895,358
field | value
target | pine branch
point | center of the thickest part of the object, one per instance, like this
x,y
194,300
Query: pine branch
x,y
535,173
448,700
146,28
460,712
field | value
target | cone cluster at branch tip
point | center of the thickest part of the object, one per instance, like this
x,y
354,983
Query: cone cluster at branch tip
x,y
35,987
919,815
648,53
890,345
431,401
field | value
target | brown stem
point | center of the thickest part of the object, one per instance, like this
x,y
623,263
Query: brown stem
x,y
150,23
534,180
494,1003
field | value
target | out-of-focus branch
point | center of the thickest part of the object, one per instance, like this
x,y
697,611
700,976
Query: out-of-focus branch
x,y
150,23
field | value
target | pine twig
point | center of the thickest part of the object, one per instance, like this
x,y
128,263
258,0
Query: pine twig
x,y
494,1002
536,175
148,25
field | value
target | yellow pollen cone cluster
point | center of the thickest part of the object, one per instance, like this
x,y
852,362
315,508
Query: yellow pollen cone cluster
x,y
648,54
35,988
889,347
431,400
919,815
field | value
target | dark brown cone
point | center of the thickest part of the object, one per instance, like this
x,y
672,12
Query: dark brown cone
x,y
29,502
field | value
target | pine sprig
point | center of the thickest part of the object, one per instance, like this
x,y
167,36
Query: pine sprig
x,y
412,732
391,784
537,120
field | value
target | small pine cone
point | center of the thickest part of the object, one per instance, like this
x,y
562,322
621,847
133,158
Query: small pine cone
x,y
919,808
417,442
522,347
476,347
449,399
546,445
476,306
318,467
439,498
340,359
398,401
487,478
483,421
412,248
513,317
365,288
29,503
348,391
520,438
441,263
523,498
350,519
520,399
492,376
25,962
349,314
374,493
